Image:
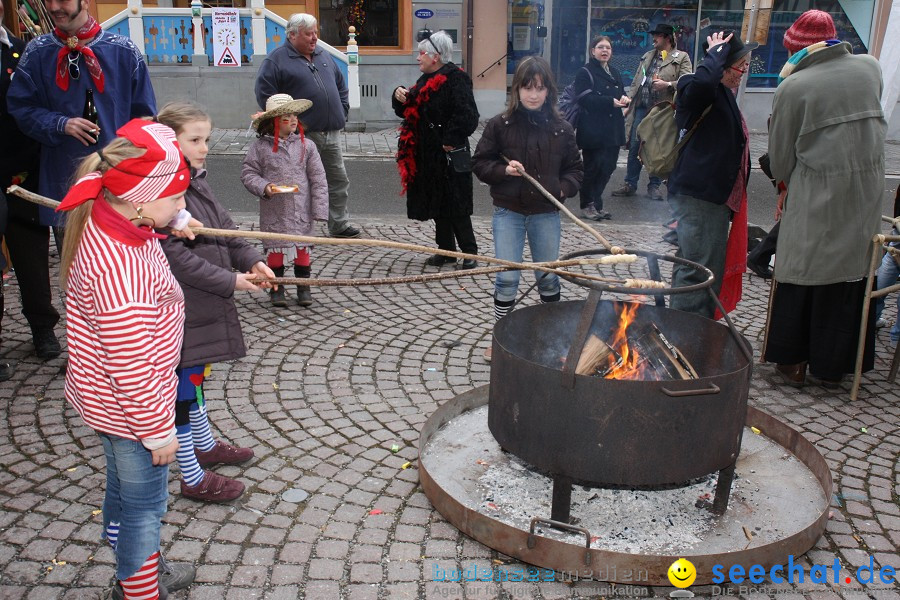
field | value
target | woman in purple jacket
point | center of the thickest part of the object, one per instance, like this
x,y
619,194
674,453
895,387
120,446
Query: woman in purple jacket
x,y
205,268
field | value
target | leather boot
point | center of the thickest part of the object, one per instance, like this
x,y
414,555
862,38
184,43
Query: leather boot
x,y
277,296
304,297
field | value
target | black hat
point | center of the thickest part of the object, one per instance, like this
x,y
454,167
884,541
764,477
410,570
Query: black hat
x,y
663,29
737,49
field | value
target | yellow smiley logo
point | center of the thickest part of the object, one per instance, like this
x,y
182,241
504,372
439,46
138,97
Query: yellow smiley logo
x,y
682,573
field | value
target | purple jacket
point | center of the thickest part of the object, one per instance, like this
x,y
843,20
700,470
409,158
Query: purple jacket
x,y
296,162
204,268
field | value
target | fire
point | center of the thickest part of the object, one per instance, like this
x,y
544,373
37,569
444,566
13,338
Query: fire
x,y
631,366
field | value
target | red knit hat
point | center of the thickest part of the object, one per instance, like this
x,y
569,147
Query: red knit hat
x,y
813,26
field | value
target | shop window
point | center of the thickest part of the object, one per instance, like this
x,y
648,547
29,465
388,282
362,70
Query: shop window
x,y
377,22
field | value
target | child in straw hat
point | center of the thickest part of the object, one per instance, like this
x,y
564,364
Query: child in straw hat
x,y
284,170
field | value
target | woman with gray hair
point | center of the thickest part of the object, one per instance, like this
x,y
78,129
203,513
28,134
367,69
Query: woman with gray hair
x,y
433,154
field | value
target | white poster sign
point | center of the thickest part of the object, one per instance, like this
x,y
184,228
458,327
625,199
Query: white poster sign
x,y
226,35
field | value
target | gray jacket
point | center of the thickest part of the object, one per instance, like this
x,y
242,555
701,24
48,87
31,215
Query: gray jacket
x,y
826,143
286,71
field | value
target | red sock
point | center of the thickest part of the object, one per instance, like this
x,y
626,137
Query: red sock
x,y
275,260
303,257
144,585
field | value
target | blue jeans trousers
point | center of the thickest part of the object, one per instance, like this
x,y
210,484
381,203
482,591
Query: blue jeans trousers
x,y
136,495
633,169
887,275
510,231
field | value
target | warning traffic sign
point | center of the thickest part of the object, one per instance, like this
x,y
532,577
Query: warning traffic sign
x,y
227,59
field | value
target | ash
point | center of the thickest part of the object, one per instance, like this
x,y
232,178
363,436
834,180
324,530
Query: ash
x,y
619,520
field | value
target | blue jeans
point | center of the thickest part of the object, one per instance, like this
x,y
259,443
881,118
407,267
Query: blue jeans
x,y
510,230
887,275
136,495
702,237
633,170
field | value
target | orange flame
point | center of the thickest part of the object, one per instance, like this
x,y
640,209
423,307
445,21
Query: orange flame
x,y
632,366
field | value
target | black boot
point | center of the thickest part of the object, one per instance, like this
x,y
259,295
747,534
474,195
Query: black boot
x,y
304,297
278,298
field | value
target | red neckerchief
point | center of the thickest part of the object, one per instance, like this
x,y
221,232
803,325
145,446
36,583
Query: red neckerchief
x,y
406,145
72,44
116,226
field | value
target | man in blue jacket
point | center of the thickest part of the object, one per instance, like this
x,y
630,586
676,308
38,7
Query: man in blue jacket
x,y
302,70
46,98
709,181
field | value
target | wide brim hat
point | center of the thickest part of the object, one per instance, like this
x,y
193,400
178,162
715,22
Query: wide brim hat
x,y
663,29
279,105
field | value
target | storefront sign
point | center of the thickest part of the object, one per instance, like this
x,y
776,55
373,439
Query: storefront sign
x,y
226,37
424,13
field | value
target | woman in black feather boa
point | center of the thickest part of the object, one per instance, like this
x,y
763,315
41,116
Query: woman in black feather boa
x,y
433,154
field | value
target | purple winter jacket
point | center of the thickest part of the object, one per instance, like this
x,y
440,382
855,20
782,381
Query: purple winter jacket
x,y
204,268
296,162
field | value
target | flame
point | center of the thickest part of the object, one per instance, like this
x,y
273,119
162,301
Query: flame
x,y
632,367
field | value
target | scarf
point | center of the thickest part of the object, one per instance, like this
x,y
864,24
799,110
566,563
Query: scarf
x,y
73,44
736,246
795,59
406,144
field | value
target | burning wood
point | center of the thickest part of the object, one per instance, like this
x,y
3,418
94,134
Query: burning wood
x,y
646,356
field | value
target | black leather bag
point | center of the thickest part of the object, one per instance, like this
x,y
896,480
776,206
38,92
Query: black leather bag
x,y
460,159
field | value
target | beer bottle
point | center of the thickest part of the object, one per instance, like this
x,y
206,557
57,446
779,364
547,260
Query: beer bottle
x,y
90,111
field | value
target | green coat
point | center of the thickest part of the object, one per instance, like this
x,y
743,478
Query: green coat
x,y
826,143
676,64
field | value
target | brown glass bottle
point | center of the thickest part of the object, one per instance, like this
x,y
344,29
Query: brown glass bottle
x,y
90,111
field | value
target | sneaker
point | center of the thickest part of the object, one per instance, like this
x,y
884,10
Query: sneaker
x,y
46,346
6,371
213,488
469,263
223,454
625,190
487,353
589,212
175,576
654,194
879,324
348,232
437,260
602,215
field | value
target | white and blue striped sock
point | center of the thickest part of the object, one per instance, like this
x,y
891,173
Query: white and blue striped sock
x,y
187,460
203,439
112,533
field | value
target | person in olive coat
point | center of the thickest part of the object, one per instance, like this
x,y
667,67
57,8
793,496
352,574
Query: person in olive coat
x,y
601,125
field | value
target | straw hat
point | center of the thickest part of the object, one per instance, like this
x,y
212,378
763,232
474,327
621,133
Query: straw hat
x,y
278,105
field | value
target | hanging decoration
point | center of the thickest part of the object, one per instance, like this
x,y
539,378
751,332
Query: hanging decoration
x,y
357,13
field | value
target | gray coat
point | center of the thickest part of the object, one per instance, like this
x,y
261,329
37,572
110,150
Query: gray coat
x,y
296,162
826,143
203,267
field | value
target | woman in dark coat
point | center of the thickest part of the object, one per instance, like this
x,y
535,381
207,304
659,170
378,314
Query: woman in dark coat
x,y
433,155
601,125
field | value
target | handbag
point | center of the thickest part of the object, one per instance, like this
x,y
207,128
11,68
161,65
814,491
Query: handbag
x,y
460,159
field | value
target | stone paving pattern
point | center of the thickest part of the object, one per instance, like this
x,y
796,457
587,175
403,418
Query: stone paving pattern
x,y
322,396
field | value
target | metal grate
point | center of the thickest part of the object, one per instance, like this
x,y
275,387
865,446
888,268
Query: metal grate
x,y
368,90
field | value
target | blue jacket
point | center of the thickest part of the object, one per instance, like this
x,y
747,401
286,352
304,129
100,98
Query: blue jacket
x,y
42,109
708,164
286,71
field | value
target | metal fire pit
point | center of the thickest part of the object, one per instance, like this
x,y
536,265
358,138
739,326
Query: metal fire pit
x,y
618,432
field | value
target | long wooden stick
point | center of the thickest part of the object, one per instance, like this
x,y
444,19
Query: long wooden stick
x,y
312,240
562,207
877,242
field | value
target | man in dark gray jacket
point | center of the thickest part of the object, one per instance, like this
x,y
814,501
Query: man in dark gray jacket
x,y
302,70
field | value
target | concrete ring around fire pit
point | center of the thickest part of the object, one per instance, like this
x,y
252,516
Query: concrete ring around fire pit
x,y
779,505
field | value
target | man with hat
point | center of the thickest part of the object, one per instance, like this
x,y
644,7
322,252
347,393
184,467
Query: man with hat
x,y
47,98
826,144
708,186
654,82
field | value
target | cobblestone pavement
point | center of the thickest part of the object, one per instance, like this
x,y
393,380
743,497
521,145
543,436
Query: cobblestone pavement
x,y
322,396
383,144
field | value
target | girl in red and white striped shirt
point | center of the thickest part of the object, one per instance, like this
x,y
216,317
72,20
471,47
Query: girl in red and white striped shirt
x,y
125,320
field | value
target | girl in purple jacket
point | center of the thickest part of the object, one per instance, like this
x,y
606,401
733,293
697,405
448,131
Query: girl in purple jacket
x,y
284,170
209,270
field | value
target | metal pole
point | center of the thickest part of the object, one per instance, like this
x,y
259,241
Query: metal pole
x,y
751,33
470,35
697,35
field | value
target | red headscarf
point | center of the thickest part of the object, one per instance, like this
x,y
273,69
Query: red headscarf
x,y
89,30
160,172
